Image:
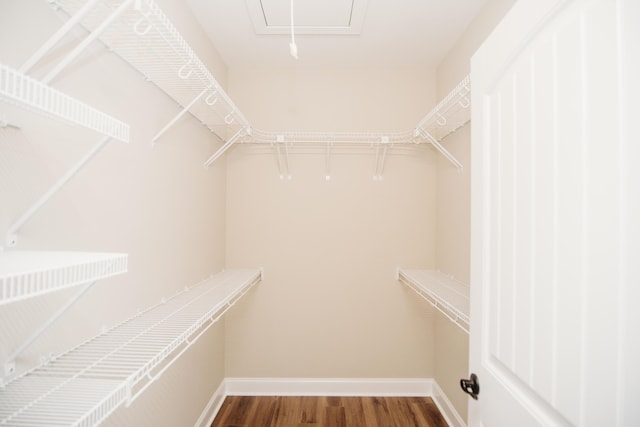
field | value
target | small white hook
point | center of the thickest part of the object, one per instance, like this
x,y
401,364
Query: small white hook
x,y
464,102
229,119
136,26
441,120
181,73
212,98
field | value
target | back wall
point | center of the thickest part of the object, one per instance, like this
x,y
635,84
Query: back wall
x,y
329,305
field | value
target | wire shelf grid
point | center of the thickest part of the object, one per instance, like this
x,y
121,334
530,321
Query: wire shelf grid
x,y
144,37
114,367
449,296
25,274
24,91
451,113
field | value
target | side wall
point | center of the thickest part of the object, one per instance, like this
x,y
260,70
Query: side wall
x,y
453,206
330,305
156,203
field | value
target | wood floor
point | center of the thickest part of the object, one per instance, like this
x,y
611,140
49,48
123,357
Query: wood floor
x,y
311,411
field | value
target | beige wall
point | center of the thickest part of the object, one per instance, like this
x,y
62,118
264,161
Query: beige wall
x,y
329,305
453,206
156,203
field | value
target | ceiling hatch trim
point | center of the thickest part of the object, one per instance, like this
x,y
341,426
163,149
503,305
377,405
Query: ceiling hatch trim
x,y
272,17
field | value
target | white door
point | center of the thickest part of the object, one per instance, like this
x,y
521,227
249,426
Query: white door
x,y
555,279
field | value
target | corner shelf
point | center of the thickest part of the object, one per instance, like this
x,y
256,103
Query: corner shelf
x,y
451,113
83,386
449,296
25,274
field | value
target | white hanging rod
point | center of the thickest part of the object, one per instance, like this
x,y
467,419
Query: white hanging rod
x,y
322,138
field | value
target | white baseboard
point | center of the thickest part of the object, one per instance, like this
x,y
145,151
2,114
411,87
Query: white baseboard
x,y
212,408
446,408
330,387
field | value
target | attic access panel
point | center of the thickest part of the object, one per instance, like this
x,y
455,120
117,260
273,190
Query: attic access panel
x,y
311,17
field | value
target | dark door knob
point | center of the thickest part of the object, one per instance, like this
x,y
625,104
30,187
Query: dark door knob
x,y
471,386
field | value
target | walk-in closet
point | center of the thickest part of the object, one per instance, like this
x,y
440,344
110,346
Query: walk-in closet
x,y
204,200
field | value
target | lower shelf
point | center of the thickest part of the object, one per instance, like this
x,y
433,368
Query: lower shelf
x,y
449,296
83,386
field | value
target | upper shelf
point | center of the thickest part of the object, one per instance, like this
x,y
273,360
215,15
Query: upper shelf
x,y
450,114
140,33
83,386
25,274
448,295
26,92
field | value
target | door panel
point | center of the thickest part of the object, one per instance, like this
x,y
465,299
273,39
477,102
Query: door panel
x,y
551,198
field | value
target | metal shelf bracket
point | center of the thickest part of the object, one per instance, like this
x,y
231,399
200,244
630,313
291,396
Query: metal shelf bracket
x,y
436,144
12,233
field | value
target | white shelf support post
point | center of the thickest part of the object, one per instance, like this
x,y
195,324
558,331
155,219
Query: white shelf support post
x,y
181,113
12,233
86,42
421,132
57,36
226,146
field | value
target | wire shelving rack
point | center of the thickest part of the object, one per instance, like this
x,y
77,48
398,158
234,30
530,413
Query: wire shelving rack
x,y
448,295
83,386
139,32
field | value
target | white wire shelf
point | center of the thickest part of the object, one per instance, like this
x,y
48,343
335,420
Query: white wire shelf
x,y
451,113
24,91
25,274
449,296
140,33
323,138
83,386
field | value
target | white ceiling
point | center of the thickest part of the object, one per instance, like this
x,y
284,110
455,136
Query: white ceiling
x,y
335,33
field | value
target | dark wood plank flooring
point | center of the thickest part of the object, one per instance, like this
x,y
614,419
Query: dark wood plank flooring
x,y
312,411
